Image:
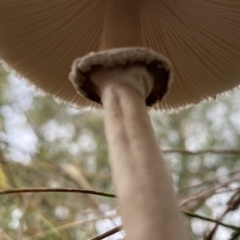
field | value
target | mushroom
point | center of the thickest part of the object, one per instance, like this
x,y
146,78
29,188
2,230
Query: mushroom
x,y
121,68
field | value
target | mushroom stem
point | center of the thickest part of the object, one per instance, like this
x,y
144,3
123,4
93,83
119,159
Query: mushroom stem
x,y
144,187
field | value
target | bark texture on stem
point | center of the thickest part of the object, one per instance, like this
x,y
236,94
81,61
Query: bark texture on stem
x,y
144,187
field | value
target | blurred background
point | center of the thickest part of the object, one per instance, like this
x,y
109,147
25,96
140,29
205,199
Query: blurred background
x,y
44,143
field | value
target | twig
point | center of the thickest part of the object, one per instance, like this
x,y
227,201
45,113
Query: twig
x,y
204,194
107,234
66,226
73,190
194,215
190,214
233,204
210,181
205,151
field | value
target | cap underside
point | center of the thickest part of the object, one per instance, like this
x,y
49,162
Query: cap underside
x,y
40,39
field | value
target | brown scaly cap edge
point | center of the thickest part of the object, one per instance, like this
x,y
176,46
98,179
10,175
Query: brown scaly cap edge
x,y
156,64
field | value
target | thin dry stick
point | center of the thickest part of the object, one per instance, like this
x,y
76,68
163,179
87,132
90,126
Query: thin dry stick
x,y
212,151
73,190
24,190
66,227
108,233
193,215
198,201
206,192
211,182
233,204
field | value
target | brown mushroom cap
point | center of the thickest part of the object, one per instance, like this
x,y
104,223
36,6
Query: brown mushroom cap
x,y
40,39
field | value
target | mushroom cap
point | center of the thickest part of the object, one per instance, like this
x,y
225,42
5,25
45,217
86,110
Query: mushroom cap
x,y
40,39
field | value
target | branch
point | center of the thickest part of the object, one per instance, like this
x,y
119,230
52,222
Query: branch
x,y
73,190
213,151
211,181
204,194
189,214
108,233
233,204
67,226
194,215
